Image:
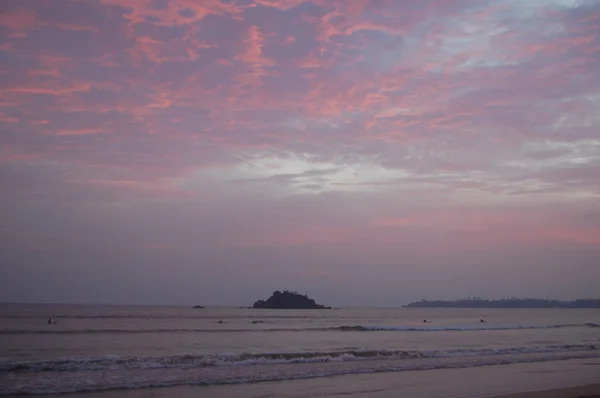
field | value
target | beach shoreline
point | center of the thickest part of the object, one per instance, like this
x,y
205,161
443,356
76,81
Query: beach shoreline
x,y
575,378
159,352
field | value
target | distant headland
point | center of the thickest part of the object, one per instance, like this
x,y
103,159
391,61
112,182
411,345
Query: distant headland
x,y
478,302
289,300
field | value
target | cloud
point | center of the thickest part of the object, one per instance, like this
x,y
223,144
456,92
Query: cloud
x,y
308,127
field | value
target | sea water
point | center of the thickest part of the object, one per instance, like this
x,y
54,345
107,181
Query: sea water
x,y
95,348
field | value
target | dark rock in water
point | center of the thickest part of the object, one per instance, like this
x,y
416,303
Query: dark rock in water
x,y
198,306
289,300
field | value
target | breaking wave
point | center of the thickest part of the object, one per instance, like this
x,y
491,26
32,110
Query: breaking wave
x,y
344,328
361,328
114,362
115,373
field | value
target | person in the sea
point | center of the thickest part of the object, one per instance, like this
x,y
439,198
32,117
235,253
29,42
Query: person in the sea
x,y
49,321
481,320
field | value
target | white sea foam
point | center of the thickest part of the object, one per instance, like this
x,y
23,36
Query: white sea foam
x,y
264,370
344,328
191,360
455,328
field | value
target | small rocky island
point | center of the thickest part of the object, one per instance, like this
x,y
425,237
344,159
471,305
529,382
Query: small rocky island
x,y
289,300
197,307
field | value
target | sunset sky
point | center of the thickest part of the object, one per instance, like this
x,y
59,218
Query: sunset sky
x,y
366,152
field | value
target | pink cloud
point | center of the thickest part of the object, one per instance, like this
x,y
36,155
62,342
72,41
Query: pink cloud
x,y
396,222
252,56
280,4
151,189
79,131
18,20
172,15
8,119
435,100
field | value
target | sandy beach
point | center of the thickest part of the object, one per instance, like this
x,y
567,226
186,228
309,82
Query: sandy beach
x,y
558,379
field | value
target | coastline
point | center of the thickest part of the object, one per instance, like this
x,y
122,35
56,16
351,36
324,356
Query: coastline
x,y
163,352
575,378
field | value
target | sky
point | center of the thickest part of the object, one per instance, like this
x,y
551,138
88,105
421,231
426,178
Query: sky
x,y
366,152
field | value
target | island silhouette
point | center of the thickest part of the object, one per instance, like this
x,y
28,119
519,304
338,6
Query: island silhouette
x,y
478,302
289,300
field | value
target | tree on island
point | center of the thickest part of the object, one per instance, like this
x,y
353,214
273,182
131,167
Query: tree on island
x,y
288,300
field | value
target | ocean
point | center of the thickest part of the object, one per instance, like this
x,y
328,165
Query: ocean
x,y
94,348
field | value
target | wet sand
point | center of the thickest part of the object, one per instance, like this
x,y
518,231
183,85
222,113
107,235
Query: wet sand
x,y
558,379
